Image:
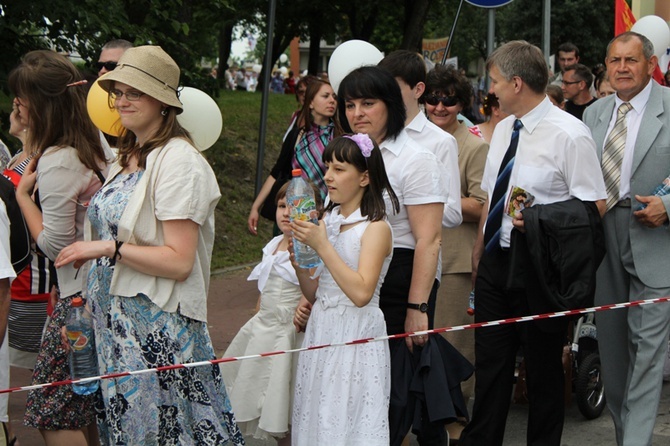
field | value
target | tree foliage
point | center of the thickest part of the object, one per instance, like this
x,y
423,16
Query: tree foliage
x,y
196,30
589,24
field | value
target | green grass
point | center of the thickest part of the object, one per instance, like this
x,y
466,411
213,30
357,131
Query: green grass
x,y
233,158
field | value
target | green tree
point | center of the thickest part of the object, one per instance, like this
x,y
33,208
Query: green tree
x,y
589,24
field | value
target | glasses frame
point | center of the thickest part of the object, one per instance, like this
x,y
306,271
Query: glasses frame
x,y
447,101
109,66
570,83
131,96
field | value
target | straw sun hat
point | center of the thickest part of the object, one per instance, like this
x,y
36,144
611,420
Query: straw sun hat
x,y
150,70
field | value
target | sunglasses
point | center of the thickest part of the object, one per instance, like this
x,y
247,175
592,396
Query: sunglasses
x,y
447,101
109,66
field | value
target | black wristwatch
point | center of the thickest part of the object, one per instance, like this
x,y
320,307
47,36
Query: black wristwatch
x,y
422,307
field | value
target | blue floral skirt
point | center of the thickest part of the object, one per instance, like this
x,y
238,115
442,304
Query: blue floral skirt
x,y
176,407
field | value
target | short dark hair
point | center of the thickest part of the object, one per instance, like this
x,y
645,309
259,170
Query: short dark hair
x,y
448,80
582,73
372,82
568,47
556,93
490,101
407,65
520,58
347,150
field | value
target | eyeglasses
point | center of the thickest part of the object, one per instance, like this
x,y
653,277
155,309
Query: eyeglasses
x,y
447,101
109,66
132,96
570,83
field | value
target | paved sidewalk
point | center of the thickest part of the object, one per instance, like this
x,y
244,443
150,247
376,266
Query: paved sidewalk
x,y
231,303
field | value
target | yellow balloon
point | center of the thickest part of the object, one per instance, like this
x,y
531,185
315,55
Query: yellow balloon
x,y
105,118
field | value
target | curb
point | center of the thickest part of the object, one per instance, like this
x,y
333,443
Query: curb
x,y
232,269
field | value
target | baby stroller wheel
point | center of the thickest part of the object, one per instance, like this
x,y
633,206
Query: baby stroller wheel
x,y
589,387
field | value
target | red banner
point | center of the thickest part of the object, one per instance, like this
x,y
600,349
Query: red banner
x,y
623,17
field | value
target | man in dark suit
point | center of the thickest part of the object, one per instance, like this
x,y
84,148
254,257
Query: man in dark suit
x,y
633,342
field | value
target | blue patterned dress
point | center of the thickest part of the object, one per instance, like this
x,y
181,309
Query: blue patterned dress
x,y
177,407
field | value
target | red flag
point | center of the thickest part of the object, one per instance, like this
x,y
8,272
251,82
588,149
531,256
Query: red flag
x,y
623,17
624,21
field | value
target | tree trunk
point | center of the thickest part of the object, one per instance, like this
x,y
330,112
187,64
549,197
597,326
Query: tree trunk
x,y
315,35
225,41
416,12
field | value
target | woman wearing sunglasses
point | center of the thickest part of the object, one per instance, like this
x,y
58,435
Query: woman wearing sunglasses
x,y
447,94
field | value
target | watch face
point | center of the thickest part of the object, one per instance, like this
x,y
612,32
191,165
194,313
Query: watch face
x,y
423,307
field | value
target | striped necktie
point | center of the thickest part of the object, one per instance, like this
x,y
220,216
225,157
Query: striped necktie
x,y
613,155
497,203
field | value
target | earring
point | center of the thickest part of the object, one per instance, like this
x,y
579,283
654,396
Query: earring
x,y
164,112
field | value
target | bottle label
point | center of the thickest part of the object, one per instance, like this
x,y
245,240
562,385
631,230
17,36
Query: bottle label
x,y
304,209
78,340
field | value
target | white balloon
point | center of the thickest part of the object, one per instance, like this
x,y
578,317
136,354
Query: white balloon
x,y
257,68
283,58
348,56
655,29
201,117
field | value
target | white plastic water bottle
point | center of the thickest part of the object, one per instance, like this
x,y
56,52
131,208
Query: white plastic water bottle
x,y
661,189
302,206
83,355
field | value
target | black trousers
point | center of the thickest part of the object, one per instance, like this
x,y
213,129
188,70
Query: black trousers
x,y
393,298
495,355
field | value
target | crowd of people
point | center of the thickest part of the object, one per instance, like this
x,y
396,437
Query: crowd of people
x,y
418,229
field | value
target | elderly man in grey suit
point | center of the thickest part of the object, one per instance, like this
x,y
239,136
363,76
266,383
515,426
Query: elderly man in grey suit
x,y
632,134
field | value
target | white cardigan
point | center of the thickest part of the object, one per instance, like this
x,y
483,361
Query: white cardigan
x,y
178,184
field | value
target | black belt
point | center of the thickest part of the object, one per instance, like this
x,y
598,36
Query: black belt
x,y
625,203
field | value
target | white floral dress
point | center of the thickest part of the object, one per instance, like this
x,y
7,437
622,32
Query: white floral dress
x,y
342,393
177,407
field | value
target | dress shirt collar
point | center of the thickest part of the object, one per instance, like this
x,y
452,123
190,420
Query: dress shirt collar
x,y
639,102
418,123
531,119
396,145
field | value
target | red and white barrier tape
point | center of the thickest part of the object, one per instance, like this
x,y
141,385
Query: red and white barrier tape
x,y
512,320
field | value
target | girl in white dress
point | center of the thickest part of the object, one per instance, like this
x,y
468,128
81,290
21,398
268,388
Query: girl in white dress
x,y
261,390
342,394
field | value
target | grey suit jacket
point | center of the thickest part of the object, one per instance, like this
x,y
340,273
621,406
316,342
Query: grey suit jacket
x,y
651,164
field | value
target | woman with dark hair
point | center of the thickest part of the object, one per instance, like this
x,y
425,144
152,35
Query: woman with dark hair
x,y
491,110
150,237
67,167
370,101
447,94
315,125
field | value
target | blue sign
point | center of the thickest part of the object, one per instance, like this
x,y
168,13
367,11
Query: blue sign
x,y
488,3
